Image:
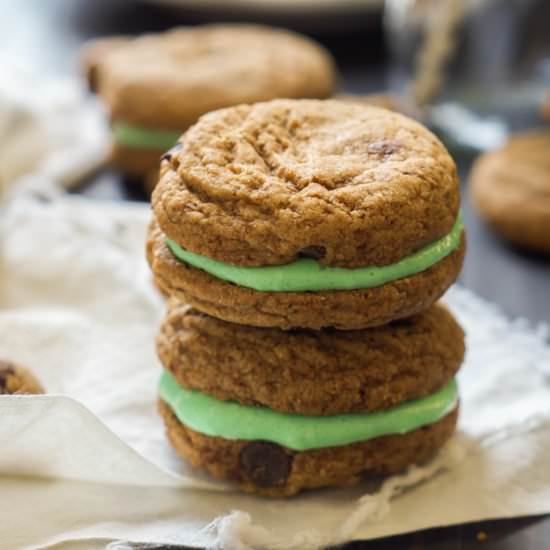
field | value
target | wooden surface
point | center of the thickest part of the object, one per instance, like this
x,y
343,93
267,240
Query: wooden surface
x,y
46,35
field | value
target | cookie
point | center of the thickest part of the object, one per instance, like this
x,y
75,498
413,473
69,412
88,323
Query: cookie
x,y
271,469
17,380
157,85
311,372
305,213
510,188
345,310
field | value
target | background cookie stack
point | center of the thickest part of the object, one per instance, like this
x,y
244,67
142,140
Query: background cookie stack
x,y
157,85
303,245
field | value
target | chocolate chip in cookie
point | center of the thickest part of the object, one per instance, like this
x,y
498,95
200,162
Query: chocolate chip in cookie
x,y
315,252
265,464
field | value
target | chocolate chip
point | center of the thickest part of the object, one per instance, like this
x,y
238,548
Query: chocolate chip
x,y
384,148
313,251
168,155
265,464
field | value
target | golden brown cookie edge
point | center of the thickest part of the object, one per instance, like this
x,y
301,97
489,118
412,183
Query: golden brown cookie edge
x,y
344,310
335,466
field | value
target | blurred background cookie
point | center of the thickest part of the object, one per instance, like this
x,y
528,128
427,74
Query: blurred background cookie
x,y
510,188
17,380
157,85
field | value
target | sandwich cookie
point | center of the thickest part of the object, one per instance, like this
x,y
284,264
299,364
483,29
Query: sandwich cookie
x,y
157,85
282,411
305,213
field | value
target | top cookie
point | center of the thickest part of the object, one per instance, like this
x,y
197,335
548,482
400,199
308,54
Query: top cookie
x,y
350,185
168,80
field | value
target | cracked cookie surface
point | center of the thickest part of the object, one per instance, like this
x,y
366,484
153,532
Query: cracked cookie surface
x,y
258,185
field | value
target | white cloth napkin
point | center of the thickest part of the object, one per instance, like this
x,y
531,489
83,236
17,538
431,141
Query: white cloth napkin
x,y
88,465
52,132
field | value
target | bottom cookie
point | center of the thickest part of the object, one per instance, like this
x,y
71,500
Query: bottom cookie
x,y
272,470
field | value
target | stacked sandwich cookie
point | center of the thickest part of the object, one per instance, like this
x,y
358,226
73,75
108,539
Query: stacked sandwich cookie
x,y
157,85
303,245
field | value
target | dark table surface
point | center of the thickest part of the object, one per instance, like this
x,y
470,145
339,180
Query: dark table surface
x,y
46,34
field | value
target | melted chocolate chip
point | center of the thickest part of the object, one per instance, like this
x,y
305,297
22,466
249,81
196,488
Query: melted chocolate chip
x,y
315,252
265,464
168,155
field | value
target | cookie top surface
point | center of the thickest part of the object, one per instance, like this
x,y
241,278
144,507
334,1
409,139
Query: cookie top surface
x,y
511,189
263,184
312,372
191,71
519,170
17,380
514,181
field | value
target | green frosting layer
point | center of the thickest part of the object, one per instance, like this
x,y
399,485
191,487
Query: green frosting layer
x,y
307,274
231,420
144,138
